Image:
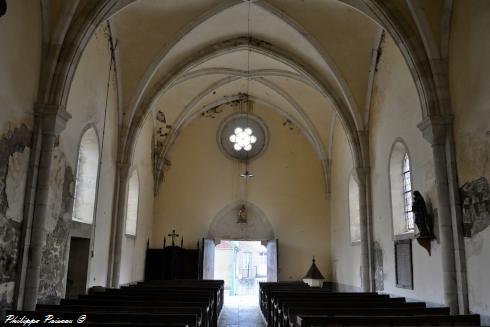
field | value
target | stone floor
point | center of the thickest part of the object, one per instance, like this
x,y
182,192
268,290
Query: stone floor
x,y
241,311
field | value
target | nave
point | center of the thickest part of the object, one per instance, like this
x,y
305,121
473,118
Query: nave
x,y
355,132
188,303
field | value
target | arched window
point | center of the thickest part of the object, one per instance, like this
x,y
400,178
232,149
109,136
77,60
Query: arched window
x,y
86,181
354,212
132,206
407,193
401,190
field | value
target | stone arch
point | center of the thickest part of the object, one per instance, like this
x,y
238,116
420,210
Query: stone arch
x,y
224,226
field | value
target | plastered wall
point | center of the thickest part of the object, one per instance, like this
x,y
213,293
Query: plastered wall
x,y
288,187
346,255
469,78
134,248
20,60
395,113
87,105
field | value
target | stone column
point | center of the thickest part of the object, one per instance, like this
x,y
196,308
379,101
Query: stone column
x,y
435,131
52,120
120,214
361,176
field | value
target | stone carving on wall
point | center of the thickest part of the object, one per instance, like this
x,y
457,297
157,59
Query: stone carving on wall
x,y
475,199
14,161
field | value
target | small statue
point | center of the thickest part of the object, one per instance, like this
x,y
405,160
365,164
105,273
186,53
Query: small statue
x,y
422,219
242,215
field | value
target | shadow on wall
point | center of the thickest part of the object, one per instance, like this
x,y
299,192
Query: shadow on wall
x,y
234,223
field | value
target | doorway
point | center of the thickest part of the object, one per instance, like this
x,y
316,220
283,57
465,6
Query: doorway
x,y
76,278
242,265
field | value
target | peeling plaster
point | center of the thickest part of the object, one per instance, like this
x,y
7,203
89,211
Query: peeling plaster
x,y
14,161
55,252
15,184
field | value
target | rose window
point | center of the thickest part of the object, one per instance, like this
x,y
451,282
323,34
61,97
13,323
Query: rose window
x,y
243,139
242,136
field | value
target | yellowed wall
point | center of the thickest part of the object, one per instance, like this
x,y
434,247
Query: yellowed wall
x,y
134,248
346,256
288,187
469,78
20,59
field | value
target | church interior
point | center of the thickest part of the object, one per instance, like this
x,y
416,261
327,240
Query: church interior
x,y
137,137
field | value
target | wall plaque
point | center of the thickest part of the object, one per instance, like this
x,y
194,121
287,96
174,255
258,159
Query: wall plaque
x,y
403,264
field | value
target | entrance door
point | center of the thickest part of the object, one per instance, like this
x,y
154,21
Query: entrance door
x,y
272,260
208,248
76,279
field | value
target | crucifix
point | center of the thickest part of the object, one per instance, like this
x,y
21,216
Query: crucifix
x,y
173,236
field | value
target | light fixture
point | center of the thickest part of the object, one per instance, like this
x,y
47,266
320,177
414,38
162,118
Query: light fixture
x,y
247,174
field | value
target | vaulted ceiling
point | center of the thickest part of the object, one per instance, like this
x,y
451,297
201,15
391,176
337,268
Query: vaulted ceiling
x,y
306,59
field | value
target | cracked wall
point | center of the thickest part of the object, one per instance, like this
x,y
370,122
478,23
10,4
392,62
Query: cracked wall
x,y
14,161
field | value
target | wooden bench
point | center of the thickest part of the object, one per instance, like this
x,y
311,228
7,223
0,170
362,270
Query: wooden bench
x,y
421,320
169,303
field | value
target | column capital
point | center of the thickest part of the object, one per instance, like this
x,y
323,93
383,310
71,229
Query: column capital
x,y
53,118
434,129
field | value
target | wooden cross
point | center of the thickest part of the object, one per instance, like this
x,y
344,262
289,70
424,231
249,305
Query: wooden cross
x,y
173,236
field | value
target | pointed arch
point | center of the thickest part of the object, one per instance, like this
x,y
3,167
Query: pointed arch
x,y
132,205
86,177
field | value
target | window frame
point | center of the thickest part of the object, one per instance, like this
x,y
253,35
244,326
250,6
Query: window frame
x,y
77,178
128,235
399,151
353,178
407,193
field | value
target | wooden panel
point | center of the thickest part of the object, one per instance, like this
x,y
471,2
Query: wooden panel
x,y
173,262
404,264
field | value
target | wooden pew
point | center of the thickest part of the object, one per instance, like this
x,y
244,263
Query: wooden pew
x,y
166,303
420,320
291,314
142,318
298,306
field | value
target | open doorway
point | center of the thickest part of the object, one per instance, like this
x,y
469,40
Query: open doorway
x,y
242,265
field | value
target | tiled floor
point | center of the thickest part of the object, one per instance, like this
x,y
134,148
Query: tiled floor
x,y
241,311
